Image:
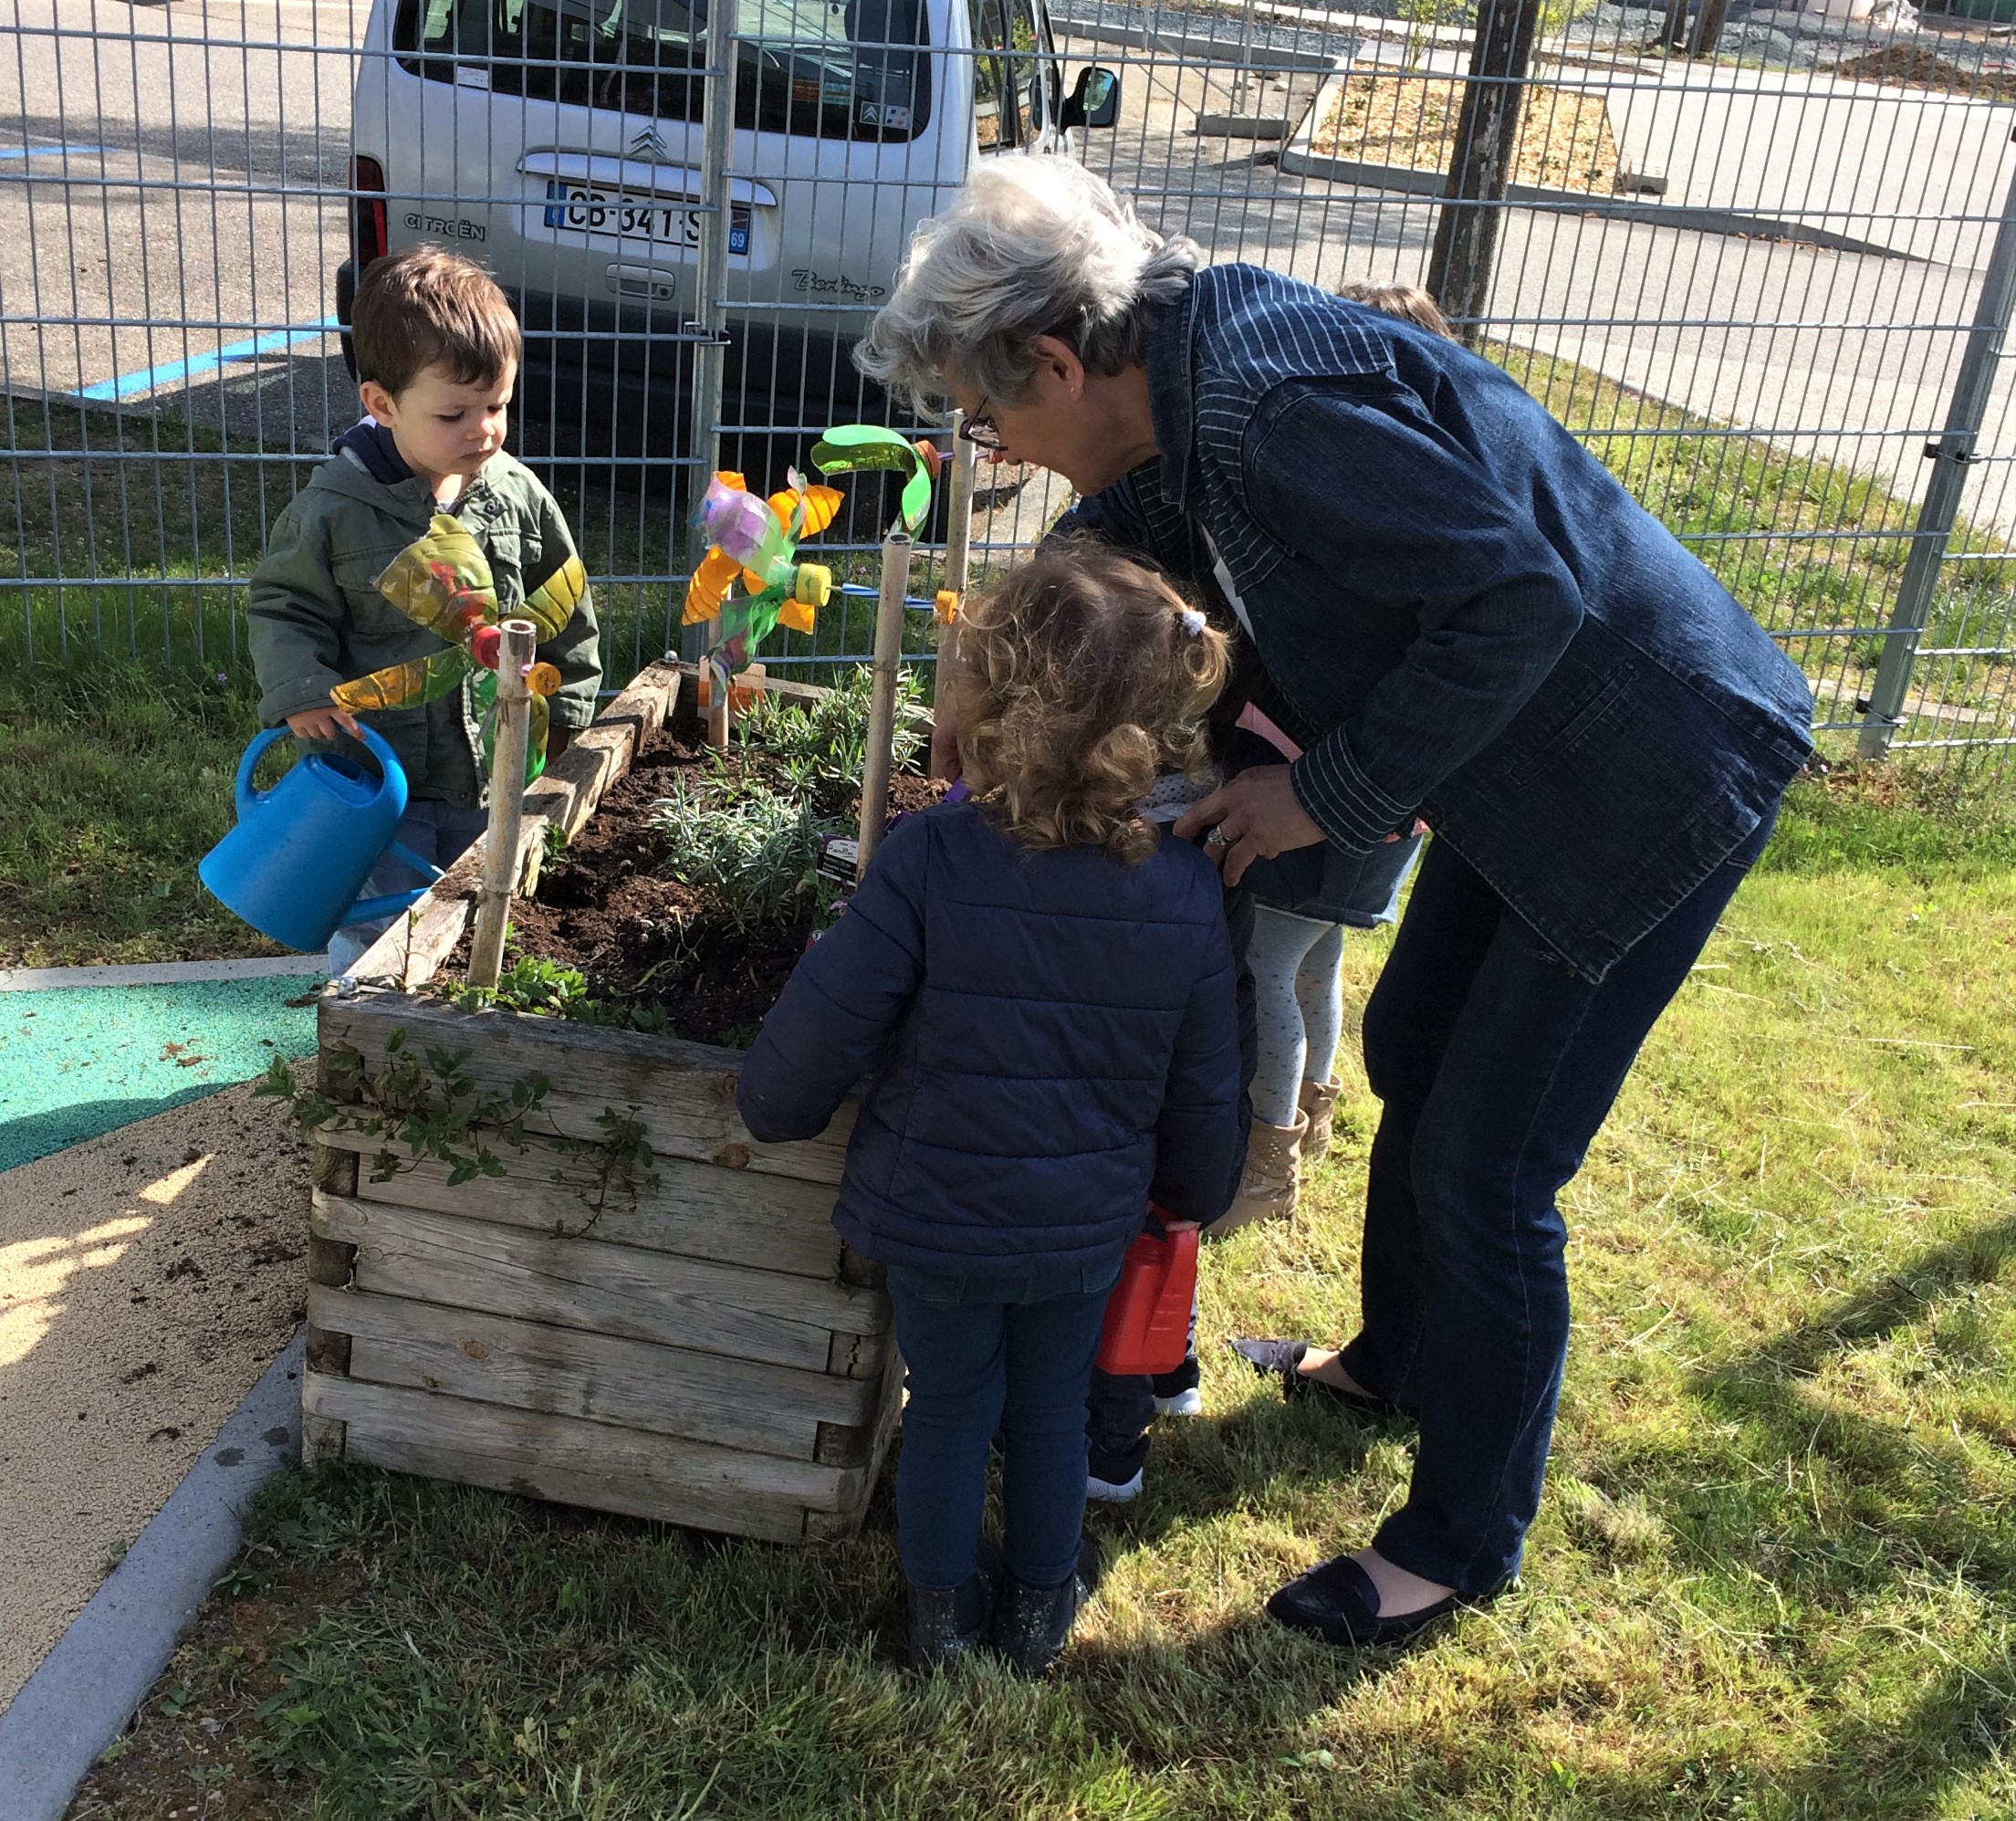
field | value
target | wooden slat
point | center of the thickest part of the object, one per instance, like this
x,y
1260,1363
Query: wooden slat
x,y
321,1439
834,1527
767,1520
532,1365
413,948
859,1355
691,1472
684,1093
738,1217
574,785
603,1289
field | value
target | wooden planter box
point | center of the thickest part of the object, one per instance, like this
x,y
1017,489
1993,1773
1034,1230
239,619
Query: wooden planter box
x,y
704,1351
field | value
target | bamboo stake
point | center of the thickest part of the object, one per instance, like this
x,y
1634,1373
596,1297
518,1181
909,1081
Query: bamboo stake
x,y
881,704
958,544
715,680
500,852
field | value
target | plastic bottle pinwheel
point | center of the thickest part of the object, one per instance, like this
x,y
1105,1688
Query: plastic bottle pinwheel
x,y
755,541
442,582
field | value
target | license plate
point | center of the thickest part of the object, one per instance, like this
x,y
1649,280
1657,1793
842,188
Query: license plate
x,y
617,212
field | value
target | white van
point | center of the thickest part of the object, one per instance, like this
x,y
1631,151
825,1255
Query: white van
x,y
559,141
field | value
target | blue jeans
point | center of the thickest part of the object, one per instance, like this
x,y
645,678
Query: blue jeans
x,y
1495,1064
988,1355
436,831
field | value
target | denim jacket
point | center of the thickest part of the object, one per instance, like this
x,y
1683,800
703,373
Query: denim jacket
x,y
1460,613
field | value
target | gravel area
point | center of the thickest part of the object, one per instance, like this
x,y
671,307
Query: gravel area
x,y
146,1278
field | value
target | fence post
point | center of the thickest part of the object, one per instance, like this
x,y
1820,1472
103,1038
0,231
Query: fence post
x,y
1952,454
1466,234
709,325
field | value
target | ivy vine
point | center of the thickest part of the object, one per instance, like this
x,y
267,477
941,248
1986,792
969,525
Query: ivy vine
x,y
428,1107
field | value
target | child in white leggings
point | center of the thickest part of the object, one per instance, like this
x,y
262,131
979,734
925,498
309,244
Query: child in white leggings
x,y
1297,946
1303,901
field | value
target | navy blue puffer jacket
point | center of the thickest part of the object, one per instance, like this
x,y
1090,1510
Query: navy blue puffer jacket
x,y
1053,1041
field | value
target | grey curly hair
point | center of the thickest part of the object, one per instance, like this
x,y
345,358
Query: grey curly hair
x,y
1031,246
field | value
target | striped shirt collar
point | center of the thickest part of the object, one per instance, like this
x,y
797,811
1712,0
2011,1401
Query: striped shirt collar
x,y
1166,348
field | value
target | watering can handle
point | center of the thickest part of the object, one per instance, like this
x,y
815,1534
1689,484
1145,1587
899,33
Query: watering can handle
x,y
247,797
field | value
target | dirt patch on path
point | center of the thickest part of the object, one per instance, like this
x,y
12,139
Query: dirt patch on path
x,y
147,1278
1564,137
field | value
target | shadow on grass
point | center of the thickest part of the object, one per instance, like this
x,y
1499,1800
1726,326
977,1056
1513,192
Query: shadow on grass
x,y
1852,1522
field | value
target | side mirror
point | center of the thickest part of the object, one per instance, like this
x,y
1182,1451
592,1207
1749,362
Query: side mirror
x,y
1094,102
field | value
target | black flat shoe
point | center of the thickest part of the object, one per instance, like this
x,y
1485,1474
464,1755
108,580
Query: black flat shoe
x,y
1282,1359
1337,1602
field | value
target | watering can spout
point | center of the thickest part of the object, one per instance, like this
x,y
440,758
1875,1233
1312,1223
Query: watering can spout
x,y
301,852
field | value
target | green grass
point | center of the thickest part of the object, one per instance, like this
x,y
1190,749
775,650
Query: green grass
x,y
1769,1576
160,523
114,782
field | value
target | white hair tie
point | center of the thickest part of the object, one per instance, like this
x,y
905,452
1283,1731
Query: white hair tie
x,y
1192,622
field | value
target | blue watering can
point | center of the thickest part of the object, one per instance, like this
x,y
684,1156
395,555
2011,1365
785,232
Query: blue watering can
x,y
301,852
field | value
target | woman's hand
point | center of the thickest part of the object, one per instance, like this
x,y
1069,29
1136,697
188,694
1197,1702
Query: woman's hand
x,y
1254,817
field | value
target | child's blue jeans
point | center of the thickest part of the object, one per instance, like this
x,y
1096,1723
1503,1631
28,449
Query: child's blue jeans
x,y
438,832
988,1355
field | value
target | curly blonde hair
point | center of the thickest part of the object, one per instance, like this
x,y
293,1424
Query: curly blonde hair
x,y
1078,678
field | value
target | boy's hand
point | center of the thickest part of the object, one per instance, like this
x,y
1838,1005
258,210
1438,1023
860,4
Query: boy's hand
x,y
323,723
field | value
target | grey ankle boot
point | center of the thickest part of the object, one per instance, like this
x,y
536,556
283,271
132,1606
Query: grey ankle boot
x,y
1032,1624
948,1623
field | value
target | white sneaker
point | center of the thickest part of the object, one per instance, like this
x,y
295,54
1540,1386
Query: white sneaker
x,y
1109,1492
1189,1403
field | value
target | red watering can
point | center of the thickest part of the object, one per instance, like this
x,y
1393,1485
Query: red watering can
x,y
1147,1326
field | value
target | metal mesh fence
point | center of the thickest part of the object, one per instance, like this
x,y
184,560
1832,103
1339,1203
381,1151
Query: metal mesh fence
x,y
1749,256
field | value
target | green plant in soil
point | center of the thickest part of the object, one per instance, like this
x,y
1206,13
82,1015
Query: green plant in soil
x,y
755,855
822,746
535,983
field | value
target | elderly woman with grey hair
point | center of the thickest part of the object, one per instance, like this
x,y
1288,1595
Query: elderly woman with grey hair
x,y
1458,613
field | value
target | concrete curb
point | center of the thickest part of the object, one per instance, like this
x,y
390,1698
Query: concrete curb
x,y
90,1686
159,973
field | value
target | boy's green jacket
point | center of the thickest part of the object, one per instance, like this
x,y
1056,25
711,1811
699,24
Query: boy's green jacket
x,y
317,619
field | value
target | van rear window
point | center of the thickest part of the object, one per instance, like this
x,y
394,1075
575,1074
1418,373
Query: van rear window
x,y
829,68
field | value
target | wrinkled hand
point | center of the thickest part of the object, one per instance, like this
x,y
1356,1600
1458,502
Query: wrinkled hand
x,y
1254,817
323,723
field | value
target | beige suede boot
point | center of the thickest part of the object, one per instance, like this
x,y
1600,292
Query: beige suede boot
x,y
1319,1102
1273,1176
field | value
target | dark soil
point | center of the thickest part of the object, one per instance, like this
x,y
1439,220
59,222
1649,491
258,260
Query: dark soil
x,y
1912,66
608,907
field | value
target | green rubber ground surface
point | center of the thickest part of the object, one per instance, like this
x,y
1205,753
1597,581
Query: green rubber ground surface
x,y
75,1061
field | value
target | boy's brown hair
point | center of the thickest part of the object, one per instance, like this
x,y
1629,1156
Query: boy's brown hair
x,y
424,306
1079,677
1409,301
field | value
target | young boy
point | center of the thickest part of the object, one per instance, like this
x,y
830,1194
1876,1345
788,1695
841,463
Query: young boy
x,y
437,357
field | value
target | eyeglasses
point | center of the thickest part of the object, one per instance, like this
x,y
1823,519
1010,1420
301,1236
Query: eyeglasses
x,y
979,429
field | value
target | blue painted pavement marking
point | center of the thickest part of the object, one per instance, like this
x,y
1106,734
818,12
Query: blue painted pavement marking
x,y
52,151
148,379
